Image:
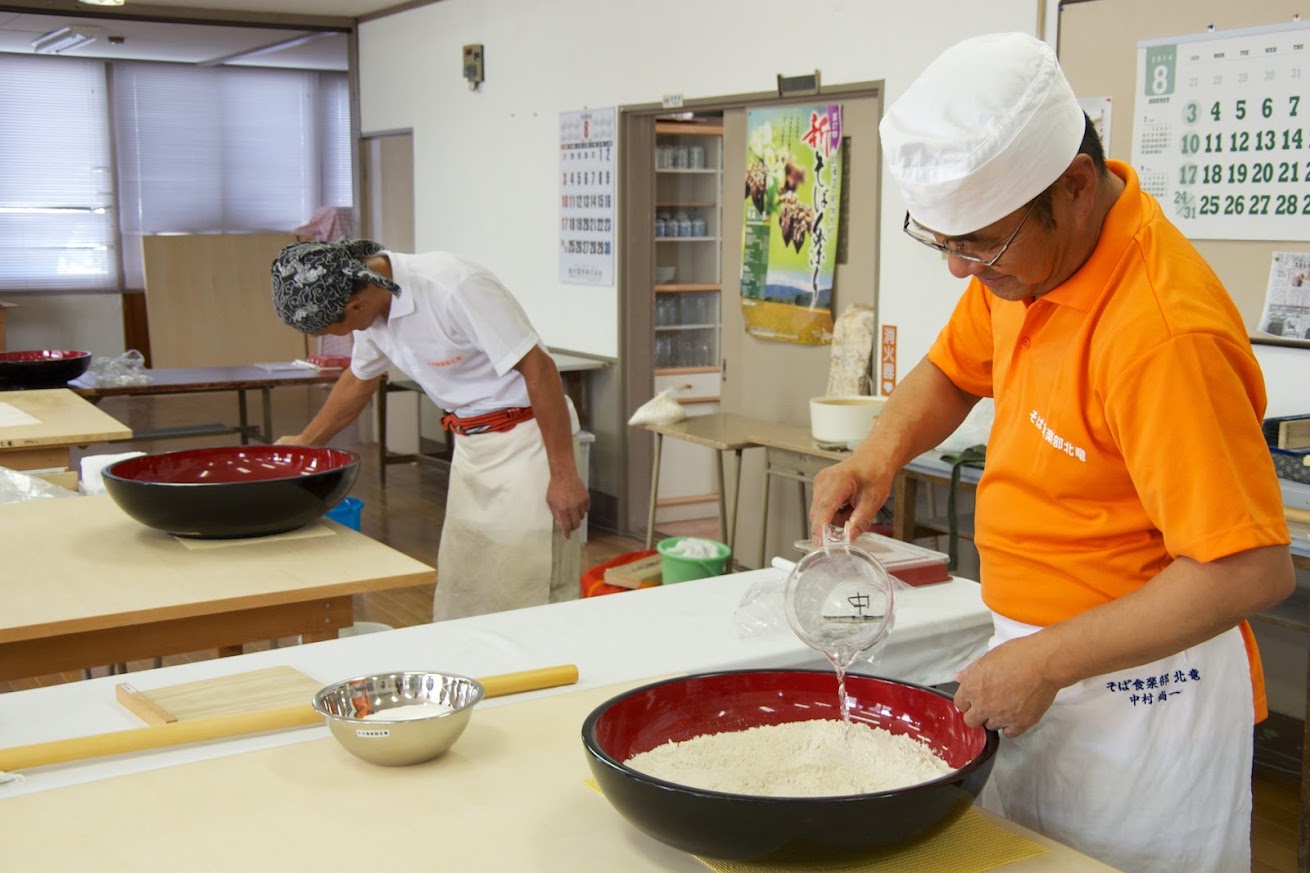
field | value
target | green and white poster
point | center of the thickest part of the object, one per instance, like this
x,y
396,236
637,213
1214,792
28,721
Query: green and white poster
x,y
789,238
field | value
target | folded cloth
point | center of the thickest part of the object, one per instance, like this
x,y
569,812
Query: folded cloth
x,y
94,465
12,416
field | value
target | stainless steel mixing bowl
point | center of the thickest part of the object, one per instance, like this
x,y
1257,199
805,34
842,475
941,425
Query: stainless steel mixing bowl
x,y
398,718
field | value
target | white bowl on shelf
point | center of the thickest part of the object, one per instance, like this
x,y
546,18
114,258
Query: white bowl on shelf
x,y
665,275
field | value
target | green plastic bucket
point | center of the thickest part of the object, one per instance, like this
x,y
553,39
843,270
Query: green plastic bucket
x,y
678,568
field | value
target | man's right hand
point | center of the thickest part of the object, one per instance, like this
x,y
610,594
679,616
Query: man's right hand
x,y
294,440
847,492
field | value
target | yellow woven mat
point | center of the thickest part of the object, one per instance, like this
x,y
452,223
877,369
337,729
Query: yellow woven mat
x,y
970,844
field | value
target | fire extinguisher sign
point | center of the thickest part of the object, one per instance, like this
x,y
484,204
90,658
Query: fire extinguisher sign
x,y
887,365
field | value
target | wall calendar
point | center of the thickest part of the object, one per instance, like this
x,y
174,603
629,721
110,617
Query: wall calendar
x,y
1221,132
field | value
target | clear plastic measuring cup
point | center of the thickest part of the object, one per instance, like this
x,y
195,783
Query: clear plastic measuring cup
x,y
839,599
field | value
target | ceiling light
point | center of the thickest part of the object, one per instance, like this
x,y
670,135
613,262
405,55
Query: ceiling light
x,y
102,2
64,39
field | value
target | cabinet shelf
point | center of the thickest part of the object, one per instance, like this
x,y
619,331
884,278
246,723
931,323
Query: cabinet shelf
x,y
688,128
680,371
686,188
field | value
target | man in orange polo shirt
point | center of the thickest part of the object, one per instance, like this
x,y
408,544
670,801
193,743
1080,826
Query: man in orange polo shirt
x,y
1128,517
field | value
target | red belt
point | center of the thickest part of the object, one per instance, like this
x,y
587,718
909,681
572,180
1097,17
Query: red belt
x,y
492,422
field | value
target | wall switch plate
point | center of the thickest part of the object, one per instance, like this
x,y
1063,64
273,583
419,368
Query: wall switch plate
x,y
473,67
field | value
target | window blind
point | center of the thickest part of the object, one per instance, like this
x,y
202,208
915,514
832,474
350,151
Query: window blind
x,y
56,190
210,150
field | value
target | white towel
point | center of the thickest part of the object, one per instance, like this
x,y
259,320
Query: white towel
x,y
93,465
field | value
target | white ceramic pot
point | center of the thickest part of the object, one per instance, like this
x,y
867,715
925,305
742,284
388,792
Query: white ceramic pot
x,y
843,420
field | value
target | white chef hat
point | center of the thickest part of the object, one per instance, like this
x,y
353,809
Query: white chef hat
x,y
988,126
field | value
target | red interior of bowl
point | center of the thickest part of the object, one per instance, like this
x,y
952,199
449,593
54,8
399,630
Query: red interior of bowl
x,y
683,708
227,464
36,355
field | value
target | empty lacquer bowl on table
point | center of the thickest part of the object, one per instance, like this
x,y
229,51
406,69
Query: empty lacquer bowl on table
x,y
231,491
41,368
401,718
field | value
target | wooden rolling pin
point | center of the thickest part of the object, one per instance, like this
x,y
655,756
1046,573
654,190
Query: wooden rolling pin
x,y
1297,515
196,730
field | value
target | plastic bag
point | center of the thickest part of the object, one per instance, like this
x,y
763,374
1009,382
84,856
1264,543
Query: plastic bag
x,y
852,352
974,430
663,408
16,487
128,368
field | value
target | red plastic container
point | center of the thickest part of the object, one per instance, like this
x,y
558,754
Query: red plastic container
x,y
913,565
593,581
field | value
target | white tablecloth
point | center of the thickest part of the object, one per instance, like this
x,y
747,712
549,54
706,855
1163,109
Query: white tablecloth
x,y
648,633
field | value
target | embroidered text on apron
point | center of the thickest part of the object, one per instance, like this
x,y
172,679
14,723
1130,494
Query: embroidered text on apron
x,y
1147,769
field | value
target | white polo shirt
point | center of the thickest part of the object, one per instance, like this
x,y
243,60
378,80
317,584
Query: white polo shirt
x,y
455,330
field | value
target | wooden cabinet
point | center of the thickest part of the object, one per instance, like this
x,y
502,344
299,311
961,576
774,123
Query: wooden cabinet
x,y
688,245
688,230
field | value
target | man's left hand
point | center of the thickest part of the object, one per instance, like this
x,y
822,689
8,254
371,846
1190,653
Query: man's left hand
x,y
569,501
1005,690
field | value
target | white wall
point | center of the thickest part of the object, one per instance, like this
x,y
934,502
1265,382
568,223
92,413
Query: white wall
x,y
486,161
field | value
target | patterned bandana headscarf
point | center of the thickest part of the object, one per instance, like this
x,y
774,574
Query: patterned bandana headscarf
x,y
313,280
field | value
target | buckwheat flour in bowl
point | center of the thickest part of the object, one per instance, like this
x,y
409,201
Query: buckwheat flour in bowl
x,y
800,759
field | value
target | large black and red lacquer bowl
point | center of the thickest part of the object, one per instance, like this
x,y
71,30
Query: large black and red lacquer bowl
x,y
41,368
800,829
231,491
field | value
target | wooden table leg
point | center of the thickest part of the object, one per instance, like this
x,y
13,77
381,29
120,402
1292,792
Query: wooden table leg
x,y
736,501
381,395
805,511
267,402
764,508
654,489
723,500
905,500
243,415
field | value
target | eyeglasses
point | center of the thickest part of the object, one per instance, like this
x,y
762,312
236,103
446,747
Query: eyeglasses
x,y
921,234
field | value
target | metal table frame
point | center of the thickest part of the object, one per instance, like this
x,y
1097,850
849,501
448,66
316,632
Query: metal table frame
x,y
197,380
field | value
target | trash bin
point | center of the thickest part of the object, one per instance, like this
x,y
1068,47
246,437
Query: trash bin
x,y
679,568
347,512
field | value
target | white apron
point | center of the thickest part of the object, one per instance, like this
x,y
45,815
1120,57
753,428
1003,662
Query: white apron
x,y
1145,784
499,545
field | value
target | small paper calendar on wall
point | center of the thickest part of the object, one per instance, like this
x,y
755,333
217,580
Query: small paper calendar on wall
x,y
1221,131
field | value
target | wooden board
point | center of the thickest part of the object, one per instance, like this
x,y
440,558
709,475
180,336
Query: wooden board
x,y
270,688
209,300
63,419
1294,434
